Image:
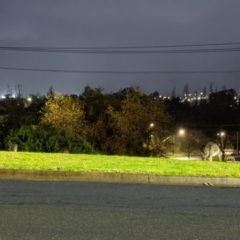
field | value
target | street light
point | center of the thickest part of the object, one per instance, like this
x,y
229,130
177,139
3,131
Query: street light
x,y
222,136
151,125
181,132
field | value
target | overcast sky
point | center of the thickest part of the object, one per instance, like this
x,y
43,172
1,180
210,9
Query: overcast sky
x,y
119,23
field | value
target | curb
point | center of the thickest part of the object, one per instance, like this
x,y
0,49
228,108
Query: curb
x,y
198,181
73,176
117,178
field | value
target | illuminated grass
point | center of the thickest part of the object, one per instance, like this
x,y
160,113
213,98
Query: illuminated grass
x,y
119,164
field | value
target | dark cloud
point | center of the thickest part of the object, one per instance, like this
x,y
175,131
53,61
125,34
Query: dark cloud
x,y
112,23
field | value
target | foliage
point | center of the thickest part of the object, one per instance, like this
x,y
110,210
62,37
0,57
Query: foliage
x,y
15,112
99,127
118,123
47,139
63,112
134,130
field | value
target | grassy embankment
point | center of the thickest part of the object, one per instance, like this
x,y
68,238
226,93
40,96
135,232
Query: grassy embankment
x,y
119,164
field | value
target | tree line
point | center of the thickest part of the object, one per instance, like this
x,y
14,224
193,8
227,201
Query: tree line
x,y
128,122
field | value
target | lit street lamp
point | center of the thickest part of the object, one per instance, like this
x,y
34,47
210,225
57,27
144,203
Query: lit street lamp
x,y
181,132
221,135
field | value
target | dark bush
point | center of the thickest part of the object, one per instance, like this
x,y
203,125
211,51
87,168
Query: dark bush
x,y
47,139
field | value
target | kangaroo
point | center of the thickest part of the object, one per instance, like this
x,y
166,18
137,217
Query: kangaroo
x,y
210,150
12,147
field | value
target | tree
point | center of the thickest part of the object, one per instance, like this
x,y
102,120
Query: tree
x,y
189,142
139,119
51,91
99,125
63,112
103,132
94,103
14,112
223,107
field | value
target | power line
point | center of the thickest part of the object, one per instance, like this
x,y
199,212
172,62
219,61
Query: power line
x,y
109,51
158,49
127,47
118,72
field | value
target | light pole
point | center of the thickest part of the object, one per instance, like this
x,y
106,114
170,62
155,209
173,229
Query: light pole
x,y
221,135
150,137
181,132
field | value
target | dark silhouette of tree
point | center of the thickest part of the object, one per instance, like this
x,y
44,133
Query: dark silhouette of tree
x,y
51,91
99,128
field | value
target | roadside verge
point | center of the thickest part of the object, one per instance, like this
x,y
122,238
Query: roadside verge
x,y
117,178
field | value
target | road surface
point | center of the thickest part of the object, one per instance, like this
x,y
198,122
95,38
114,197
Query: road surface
x,y
73,210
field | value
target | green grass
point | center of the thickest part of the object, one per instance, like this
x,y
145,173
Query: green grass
x,y
118,164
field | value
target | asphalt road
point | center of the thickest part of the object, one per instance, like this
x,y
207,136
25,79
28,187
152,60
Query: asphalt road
x,y
73,210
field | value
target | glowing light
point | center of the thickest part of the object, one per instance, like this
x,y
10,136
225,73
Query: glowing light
x,y
181,132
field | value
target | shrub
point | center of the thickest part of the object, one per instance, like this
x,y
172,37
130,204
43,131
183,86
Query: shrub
x,y
47,139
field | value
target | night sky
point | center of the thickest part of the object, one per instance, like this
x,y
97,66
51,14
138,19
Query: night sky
x,y
117,26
